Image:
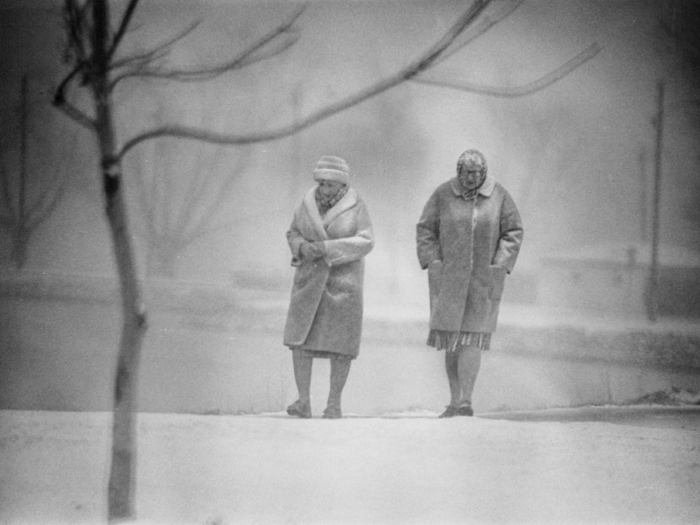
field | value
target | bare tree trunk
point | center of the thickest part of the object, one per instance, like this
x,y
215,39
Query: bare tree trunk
x,y
21,238
122,473
653,289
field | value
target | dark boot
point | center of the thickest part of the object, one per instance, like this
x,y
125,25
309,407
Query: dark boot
x,y
300,409
332,412
340,368
452,369
450,411
465,410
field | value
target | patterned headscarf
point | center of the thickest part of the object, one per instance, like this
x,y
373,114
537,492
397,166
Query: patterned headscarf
x,y
472,159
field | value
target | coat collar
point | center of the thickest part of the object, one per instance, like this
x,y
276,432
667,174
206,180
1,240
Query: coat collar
x,y
348,201
486,189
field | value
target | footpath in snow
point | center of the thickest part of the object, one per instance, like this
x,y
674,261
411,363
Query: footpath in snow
x,y
400,468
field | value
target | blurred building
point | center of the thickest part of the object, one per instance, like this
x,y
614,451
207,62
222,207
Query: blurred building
x,y
615,277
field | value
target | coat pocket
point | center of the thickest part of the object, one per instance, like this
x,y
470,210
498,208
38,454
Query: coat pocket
x,y
498,280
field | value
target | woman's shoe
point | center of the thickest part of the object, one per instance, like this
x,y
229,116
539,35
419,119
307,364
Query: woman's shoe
x,y
465,410
300,409
450,411
332,412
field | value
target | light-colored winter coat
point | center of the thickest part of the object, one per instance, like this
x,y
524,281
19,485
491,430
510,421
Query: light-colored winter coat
x,y
325,311
478,241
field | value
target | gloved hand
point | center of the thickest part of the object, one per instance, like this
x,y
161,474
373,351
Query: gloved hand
x,y
311,250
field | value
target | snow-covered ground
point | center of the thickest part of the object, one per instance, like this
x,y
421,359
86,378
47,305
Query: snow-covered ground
x,y
401,468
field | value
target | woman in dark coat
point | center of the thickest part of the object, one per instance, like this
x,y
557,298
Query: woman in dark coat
x,y
329,237
468,238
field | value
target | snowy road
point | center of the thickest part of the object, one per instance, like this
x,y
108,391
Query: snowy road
x,y
404,468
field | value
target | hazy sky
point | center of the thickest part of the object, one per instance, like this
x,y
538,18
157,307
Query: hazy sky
x,y
570,154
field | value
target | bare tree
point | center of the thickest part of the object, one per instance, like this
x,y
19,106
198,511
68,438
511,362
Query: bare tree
x,y
28,199
93,53
176,216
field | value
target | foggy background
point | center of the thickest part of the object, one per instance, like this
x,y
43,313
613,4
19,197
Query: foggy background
x,y
577,157
209,226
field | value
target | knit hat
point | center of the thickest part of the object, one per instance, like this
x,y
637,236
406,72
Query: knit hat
x,y
472,159
333,169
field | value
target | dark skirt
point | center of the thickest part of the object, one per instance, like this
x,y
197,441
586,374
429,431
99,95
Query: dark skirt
x,y
321,354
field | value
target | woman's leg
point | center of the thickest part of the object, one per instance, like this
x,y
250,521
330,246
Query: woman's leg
x,y
302,374
452,368
340,369
469,362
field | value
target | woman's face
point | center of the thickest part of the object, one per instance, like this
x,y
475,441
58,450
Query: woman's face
x,y
469,177
329,188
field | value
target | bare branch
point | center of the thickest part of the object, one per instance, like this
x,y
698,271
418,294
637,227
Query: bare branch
x,y
413,69
481,27
137,64
74,113
60,95
60,101
126,19
158,51
75,20
518,91
138,61
209,73
258,51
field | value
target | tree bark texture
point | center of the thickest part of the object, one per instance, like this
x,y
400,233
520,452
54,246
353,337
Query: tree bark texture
x,y
122,482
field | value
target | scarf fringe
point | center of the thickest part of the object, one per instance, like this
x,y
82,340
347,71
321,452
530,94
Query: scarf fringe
x,y
454,341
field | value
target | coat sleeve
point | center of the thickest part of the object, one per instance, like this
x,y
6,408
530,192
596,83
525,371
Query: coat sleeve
x,y
428,233
511,234
295,239
348,249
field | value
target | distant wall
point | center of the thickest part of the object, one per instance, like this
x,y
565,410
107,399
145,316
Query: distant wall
x,y
618,287
218,350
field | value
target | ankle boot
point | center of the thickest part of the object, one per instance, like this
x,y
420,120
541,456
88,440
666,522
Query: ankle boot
x,y
300,409
332,412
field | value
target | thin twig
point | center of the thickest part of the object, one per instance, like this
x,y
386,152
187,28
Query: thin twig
x,y
253,54
518,91
77,115
158,49
481,27
419,65
126,19
60,101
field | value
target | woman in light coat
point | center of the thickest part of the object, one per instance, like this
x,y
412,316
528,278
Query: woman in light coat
x,y
329,237
468,238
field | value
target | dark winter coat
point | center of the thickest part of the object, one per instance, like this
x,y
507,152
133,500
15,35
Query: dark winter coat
x,y
478,241
325,311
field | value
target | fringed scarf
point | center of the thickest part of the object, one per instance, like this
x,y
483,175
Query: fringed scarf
x,y
326,203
